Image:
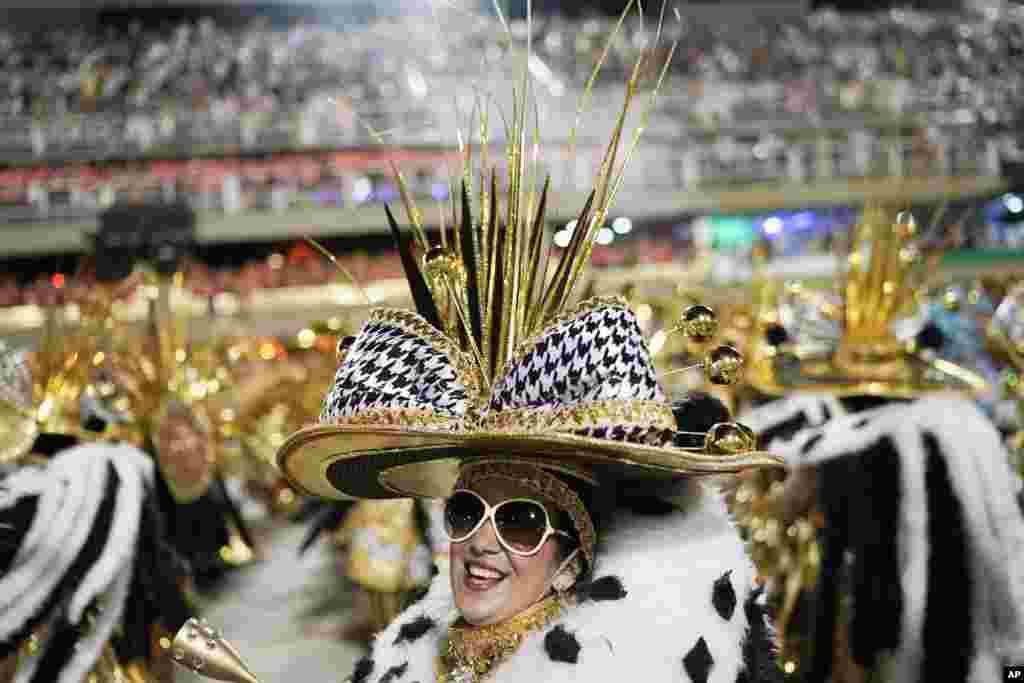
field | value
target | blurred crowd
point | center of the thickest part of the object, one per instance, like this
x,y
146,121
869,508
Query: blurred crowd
x,y
296,265
68,92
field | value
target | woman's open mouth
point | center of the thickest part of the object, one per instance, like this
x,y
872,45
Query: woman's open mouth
x,y
479,577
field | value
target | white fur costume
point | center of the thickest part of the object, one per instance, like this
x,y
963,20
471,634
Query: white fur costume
x,y
70,490
675,622
981,486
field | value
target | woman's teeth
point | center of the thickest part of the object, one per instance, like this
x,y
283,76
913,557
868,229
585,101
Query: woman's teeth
x,y
478,572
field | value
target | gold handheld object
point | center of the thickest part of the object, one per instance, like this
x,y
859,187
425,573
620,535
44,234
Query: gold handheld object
x,y
201,649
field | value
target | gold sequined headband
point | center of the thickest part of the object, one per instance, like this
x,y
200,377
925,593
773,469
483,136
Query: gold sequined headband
x,y
544,485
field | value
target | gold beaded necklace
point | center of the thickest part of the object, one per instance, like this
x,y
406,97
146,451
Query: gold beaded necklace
x,y
473,651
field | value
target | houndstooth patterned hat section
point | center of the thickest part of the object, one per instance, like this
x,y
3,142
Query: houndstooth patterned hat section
x,y
398,362
597,353
589,373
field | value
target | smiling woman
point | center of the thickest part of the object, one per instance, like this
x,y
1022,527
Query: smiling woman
x,y
506,557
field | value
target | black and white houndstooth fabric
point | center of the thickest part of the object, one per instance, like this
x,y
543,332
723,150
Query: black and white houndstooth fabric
x,y
597,355
397,362
389,366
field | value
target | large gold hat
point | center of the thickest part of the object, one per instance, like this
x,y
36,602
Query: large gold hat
x,y
846,343
495,362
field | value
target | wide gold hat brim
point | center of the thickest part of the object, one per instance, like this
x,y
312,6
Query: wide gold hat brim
x,y
362,461
821,375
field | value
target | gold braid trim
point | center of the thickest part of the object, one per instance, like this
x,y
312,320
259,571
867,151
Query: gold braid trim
x,y
473,651
417,418
543,484
583,416
588,415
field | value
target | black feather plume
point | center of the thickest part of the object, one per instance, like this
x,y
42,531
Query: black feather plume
x,y
417,285
470,249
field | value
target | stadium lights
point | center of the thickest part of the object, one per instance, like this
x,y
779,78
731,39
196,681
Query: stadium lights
x,y
622,225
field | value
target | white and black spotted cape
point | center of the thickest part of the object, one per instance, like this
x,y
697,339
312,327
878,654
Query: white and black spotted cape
x,y
922,496
672,600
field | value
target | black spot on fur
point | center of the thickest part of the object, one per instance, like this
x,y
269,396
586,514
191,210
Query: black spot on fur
x,y
723,596
859,404
759,661
861,423
414,629
605,588
394,673
948,641
364,667
698,662
811,443
434,571
562,646
784,430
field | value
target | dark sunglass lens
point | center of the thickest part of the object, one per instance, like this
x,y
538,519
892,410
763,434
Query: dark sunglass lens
x,y
521,524
462,512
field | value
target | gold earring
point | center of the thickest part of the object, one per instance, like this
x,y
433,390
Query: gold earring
x,y
566,578
563,582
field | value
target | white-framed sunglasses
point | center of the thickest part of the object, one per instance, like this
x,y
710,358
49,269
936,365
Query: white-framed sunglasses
x,y
522,525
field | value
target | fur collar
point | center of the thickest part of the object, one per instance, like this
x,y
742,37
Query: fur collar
x,y
672,601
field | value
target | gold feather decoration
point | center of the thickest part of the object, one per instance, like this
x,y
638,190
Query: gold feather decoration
x,y
846,342
494,284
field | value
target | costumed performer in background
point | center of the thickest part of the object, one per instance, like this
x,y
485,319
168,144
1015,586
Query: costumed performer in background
x,y
88,581
894,544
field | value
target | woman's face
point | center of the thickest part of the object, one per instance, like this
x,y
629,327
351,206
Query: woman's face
x,y
491,584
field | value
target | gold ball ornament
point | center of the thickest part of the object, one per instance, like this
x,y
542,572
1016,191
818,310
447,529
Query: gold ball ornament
x,y
723,365
699,323
729,438
438,261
